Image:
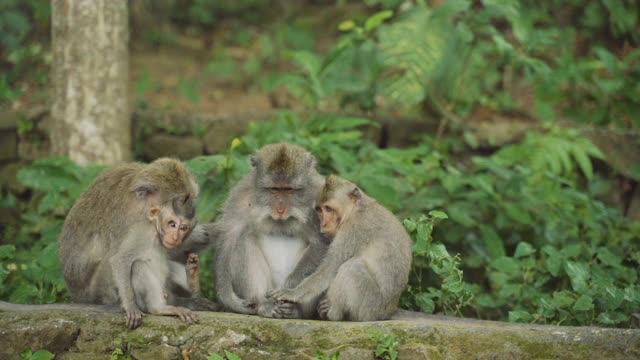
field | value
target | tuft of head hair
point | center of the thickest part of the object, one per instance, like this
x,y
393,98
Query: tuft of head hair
x,y
183,205
335,185
165,176
283,160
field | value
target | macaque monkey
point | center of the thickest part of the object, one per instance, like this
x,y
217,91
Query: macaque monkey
x,y
143,255
367,265
268,234
122,242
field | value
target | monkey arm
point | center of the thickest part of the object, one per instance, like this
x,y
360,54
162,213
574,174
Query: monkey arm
x,y
311,259
121,268
318,282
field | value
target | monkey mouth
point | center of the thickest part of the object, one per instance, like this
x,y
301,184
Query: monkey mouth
x,y
169,245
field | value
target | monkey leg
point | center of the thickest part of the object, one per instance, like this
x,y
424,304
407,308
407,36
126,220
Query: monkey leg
x,y
150,293
354,294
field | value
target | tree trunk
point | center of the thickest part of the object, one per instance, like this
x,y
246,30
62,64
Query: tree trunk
x,y
90,74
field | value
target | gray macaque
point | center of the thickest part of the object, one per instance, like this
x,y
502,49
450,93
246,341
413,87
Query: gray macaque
x,y
268,234
119,236
368,262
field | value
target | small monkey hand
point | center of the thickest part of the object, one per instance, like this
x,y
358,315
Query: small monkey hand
x,y
284,296
323,308
193,261
134,317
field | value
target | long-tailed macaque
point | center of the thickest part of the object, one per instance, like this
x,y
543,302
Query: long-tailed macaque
x,y
268,234
116,240
368,262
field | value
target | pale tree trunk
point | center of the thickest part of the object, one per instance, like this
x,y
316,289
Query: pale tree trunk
x,y
90,74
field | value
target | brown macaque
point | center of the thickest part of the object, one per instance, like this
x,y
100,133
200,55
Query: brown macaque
x,y
123,234
268,235
367,265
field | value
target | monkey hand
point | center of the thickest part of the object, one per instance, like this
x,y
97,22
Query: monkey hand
x,y
323,308
287,310
185,314
251,306
284,295
193,263
134,316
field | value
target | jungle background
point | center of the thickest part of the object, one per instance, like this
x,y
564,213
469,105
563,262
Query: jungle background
x,y
505,134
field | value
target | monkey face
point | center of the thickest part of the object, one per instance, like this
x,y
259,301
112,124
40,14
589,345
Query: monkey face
x,y
281,199
330,219
172,229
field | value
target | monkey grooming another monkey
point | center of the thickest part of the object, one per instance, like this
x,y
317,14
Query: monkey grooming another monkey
x,y
117,238
368,262
268,233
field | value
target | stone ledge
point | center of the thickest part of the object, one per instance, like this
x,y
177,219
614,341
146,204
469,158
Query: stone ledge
x,y
89,332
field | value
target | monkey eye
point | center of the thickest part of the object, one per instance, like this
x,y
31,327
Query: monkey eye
x,y
318,209
327,209
184,228
172,223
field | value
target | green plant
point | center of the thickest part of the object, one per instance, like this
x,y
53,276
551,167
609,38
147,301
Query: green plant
x,y
30,268
42,354
322,356
453,293
120,350
386,345
227,356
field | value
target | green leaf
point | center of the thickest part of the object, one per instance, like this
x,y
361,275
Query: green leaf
x,y
562,299
506,265
578,274
426,304
215,357
523,249
583,162
41,355
436,214
612,318
231,356
346,25
377,19
7,251
517,213
608,258
584,303
519,316
492,242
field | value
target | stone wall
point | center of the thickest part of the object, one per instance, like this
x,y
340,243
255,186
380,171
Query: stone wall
x,y
94,333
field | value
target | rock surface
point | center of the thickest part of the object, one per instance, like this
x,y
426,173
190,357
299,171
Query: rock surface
x,y
95,333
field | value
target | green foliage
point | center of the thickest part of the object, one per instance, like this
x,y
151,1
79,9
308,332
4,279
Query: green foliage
x,y
386,345
228,355
322,356
453,293
29,266
455,56
22,61
27,354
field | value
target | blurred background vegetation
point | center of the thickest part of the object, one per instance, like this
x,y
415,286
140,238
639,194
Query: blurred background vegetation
x,y
505,133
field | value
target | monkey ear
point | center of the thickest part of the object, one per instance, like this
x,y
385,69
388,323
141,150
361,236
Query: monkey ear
x,y
311,162
253,160
153,212
144,190
355,195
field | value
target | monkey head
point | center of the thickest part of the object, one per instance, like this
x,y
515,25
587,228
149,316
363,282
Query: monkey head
x,y
173,222
283,177
338,200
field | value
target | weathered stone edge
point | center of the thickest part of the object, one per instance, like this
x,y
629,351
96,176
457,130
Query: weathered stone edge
x,y
93,332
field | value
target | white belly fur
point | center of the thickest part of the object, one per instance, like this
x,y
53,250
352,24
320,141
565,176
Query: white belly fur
x,y
282,254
